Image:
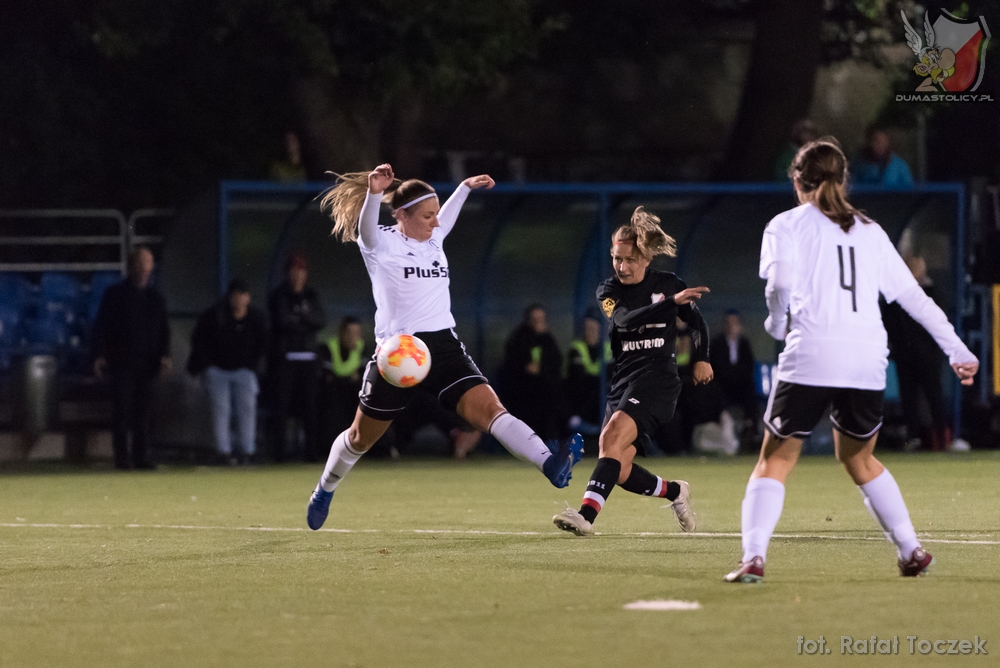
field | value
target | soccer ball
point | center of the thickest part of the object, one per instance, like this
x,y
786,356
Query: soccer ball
x,y
403,360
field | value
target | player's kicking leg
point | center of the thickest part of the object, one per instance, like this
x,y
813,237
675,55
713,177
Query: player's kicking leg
x,y
615,467
346,450
481,408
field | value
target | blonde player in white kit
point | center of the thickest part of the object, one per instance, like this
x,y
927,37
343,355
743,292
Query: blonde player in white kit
x,y
825,265
410,281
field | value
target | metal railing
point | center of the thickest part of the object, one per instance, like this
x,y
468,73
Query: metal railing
x,y
117,239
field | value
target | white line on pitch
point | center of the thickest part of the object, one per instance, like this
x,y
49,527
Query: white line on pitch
x,y
474,532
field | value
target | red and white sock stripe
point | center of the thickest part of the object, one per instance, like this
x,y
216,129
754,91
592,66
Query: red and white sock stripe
x,y
594,500
661,488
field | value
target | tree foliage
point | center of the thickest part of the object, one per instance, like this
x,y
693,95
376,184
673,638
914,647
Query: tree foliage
x,y
149,100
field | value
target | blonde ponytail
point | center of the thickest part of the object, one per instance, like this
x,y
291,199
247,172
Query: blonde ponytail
x,y
345,199
644,231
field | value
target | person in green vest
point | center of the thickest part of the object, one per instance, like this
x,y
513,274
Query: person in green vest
x,y
583,375
344,360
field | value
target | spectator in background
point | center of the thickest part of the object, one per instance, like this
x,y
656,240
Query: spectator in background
x,y
803,132
131,345
293,371
878,164
697,421
583,375
531,371
733,362
918,365
343,359
291,169
227,345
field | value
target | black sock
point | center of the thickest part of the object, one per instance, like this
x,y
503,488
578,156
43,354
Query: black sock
x,y
641,481
602,481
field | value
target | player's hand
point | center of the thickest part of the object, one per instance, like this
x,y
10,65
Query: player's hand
x,y
481,181
703,373
380,178
688,295
776,327
965,371
100,367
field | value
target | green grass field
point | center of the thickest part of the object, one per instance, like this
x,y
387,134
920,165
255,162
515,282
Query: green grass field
x,y
444,564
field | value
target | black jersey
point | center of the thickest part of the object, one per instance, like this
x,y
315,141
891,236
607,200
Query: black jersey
x,y
643,324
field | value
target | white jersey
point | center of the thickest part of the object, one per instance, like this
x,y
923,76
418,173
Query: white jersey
x,y
829,281
409,278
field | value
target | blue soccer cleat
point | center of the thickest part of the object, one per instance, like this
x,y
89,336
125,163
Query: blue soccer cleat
x,y
559,467
318,508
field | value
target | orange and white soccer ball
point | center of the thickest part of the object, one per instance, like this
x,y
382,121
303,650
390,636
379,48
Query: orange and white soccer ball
x,y
403,360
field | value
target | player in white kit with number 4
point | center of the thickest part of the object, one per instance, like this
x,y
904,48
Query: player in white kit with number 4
x,y
410,281
825,264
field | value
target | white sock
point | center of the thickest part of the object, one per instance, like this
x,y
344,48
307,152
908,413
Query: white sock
x,y
519,439
762,506
342,458
885,502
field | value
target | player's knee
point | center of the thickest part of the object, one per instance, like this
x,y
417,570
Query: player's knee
x,y
614,441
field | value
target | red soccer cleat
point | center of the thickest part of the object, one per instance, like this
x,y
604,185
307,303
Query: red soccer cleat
x,y
919,563
748,572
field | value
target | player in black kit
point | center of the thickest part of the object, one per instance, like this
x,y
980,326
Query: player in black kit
x,y
642,305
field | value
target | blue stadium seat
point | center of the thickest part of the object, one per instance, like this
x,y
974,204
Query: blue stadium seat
x,y
10,319
59,286
99,282
47,333
15,290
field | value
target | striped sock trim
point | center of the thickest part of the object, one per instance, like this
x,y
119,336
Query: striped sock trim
x,y
594,500
661,488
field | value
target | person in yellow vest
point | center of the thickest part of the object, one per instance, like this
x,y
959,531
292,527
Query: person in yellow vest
x,y
583,375
344,360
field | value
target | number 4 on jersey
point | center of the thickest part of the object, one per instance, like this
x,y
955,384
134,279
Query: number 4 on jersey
x,y
852,288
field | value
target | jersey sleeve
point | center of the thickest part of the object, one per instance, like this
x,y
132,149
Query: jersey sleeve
x,y
699,333
922,308
769,248
368,236
776,258
448,215
894,277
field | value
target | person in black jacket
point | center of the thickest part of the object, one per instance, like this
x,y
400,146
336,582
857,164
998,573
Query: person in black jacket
x,y
733,363
532,376
227,344
918,366
293,368
642,305
131,346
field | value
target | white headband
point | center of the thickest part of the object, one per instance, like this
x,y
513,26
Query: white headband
x,y
419,199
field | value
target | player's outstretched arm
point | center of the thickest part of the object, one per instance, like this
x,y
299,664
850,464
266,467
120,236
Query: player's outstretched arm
x,y
922,308
379,179
448,215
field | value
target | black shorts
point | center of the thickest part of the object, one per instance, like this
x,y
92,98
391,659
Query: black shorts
x,y
649,400
793,410
452,374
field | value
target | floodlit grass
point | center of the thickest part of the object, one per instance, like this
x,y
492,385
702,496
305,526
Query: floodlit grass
x,y
444,564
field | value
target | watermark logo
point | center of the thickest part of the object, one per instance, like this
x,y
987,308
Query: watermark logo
x,y
951,58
